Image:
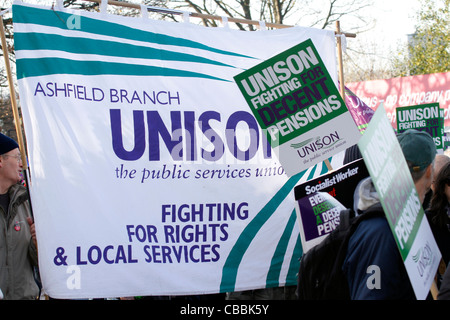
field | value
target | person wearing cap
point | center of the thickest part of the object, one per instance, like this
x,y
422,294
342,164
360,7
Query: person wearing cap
x,y
18,247
373,266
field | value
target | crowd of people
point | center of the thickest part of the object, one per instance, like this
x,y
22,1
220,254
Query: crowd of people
x,y
371,244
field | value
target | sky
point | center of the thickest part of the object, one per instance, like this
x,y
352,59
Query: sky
x,y
387,36
394,19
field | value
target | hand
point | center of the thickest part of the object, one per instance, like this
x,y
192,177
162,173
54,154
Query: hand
x,y
32,230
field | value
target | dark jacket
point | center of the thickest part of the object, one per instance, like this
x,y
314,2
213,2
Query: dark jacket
x,y
441,235
444,291
373,265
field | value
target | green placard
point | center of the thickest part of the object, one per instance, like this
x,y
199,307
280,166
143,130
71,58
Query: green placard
x,y
391,177
291,93
425,117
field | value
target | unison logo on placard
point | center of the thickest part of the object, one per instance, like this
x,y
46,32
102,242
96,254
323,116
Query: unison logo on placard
x,y
423,258
313,145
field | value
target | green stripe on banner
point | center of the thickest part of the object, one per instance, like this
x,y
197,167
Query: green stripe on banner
x,y
231,266
45,66
311,173
291,278
58,19
43,41
273,275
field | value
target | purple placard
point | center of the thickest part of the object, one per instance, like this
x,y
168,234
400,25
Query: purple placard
x,y
319,213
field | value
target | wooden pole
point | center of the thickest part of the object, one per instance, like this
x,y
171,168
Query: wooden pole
x,y
434,290
191,14
340,63
12,94
341,74
202,15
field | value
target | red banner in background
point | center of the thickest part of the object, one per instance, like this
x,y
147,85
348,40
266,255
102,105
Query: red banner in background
x,y
405,91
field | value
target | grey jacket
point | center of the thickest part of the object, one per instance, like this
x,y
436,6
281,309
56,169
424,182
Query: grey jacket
x,y
18,254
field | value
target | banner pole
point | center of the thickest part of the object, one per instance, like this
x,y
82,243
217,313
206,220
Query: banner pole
x,y
341,75
12,94
434,290
340,63
202,15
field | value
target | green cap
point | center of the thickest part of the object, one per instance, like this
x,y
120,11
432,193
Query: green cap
x,y
418,148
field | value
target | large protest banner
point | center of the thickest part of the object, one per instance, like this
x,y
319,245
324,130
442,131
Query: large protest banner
x,y
405,91
403,209
149,175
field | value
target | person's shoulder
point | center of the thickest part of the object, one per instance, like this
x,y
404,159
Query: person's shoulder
x,y
374,230
18,187
18,193
375,225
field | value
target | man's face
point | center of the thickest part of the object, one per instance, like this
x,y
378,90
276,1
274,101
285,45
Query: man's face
x,y
11,166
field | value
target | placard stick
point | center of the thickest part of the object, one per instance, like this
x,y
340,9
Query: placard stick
x,y
12,94
340,63
434,290
341,75
328,164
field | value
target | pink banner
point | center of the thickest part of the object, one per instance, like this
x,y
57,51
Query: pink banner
x,y
405,91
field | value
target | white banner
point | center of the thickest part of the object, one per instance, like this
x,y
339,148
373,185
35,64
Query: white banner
x,y
149,175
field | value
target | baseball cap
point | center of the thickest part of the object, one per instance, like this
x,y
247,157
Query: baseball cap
x,y
418,148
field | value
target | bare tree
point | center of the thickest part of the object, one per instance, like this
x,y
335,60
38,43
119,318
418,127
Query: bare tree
x,y
308,13
338,9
